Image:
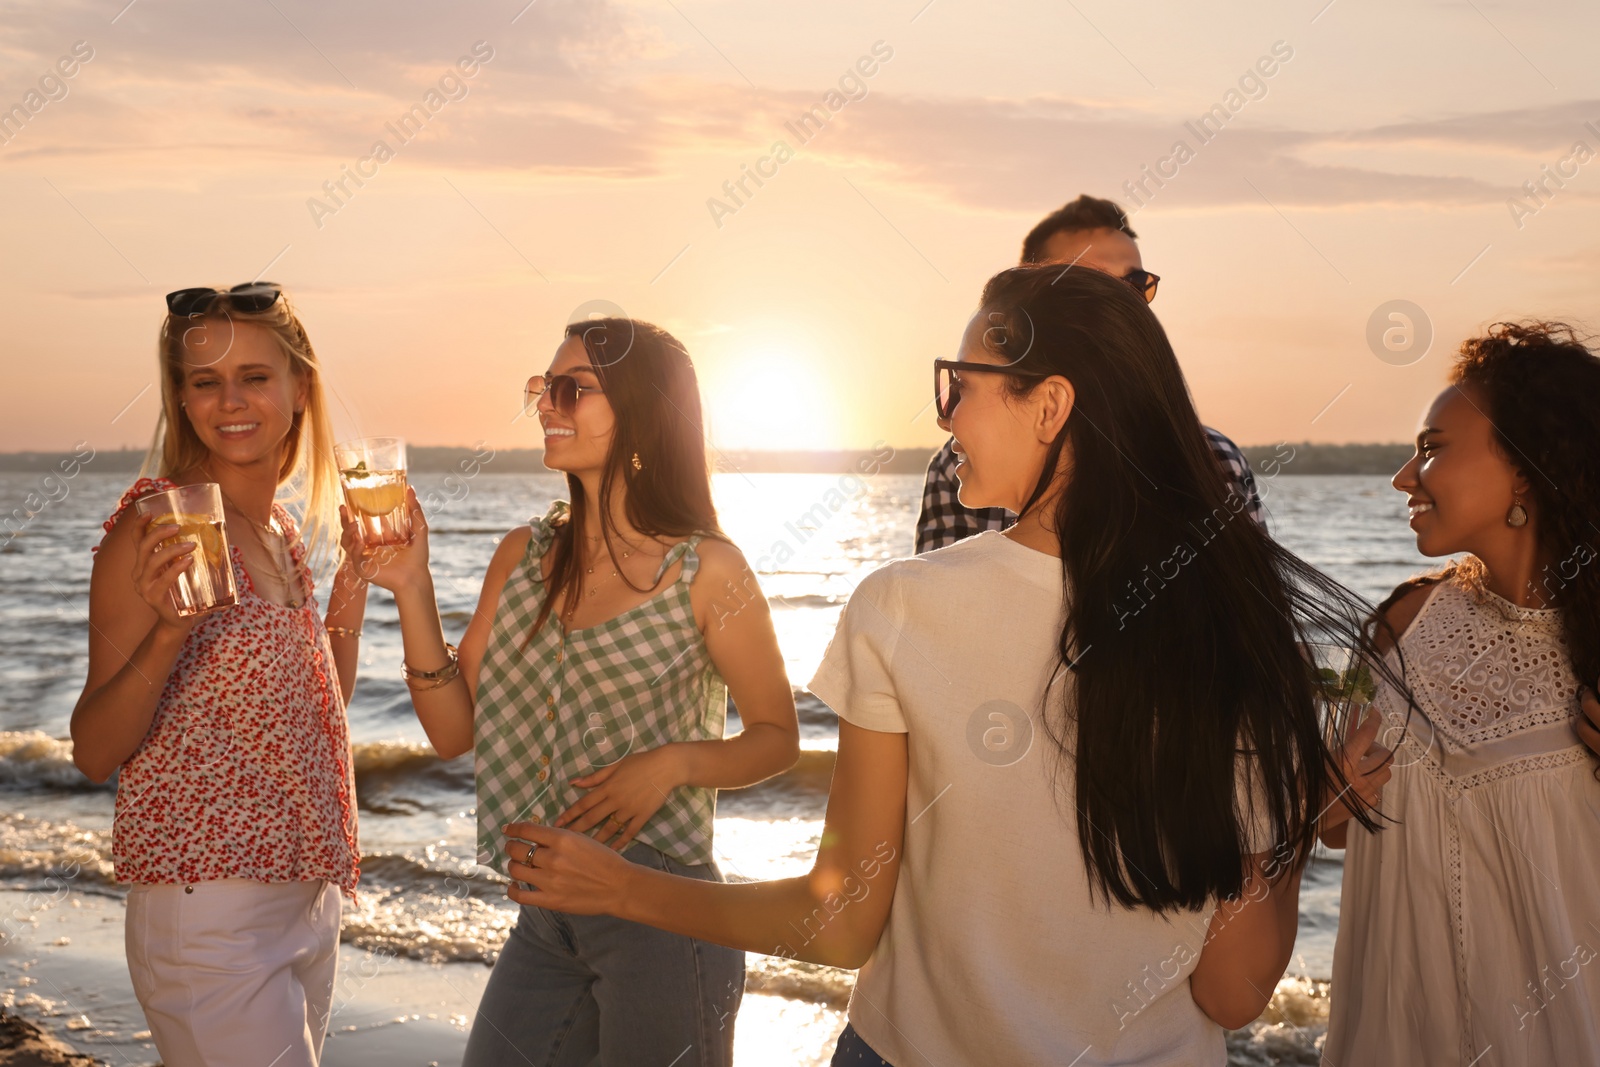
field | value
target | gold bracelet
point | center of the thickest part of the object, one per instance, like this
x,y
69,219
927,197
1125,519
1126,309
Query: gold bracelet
x,y
437,684
342,631
439,677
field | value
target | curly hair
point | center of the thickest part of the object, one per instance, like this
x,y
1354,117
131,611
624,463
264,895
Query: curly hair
x,y
1541,385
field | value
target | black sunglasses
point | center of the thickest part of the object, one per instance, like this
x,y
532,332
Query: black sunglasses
x,y
564,390
1143,281
249,297
947,380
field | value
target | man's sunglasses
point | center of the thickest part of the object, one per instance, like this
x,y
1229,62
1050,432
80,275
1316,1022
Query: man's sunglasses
x,y
564,390
947,380
250,297
1143,281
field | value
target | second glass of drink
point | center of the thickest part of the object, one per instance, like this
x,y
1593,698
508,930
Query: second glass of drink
x,y
373,472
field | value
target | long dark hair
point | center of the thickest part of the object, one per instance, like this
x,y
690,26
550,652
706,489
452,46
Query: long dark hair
x,y
1541,387
650,382
1186,626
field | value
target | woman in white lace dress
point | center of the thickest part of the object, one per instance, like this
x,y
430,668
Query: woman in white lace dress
x,y
1469,930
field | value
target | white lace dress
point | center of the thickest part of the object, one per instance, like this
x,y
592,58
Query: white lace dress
x,y
1469,933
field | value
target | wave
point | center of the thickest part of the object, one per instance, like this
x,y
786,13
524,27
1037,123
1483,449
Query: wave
x,y
404,777
1290,1031
30,760
796,980
54,857
800,791
33,760
459,879
377,761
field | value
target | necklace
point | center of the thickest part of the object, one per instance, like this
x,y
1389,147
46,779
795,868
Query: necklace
x,y
593,587
274,558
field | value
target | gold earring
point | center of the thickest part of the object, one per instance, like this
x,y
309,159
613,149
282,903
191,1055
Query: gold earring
x,y
636,464
1518,515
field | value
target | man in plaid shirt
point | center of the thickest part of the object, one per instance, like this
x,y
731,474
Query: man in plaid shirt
x,y
1087,234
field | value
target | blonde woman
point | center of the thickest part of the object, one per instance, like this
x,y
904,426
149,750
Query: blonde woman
x,y
235,813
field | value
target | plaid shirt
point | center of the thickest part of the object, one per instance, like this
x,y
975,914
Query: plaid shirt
x,y
944,521
569,703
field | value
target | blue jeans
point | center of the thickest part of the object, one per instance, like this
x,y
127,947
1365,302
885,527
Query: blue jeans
x,y
851,1051
577,990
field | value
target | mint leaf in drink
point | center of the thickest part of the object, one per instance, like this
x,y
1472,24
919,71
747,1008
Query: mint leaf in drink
x,y
1326,680
1355,684
1359,684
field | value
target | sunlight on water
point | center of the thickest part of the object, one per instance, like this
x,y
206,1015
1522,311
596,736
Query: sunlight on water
x,y
811,538
778,1030
759,849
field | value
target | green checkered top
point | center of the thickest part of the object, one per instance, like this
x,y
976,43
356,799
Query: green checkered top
x,y
567,703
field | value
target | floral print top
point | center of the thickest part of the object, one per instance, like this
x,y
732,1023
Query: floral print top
x,y
246,771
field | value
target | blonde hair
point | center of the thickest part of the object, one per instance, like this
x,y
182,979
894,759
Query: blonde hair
x,y
308,467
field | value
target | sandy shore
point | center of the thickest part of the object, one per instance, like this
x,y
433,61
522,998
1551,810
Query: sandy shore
x,y
62,968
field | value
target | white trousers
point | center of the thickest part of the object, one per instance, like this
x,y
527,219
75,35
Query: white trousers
x,y
235,973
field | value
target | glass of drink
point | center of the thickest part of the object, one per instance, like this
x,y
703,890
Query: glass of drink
x,y
373,471
207,583
1340,677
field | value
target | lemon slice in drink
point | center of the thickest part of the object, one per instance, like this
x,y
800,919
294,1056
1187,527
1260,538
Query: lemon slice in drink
x,y
379,499
203,530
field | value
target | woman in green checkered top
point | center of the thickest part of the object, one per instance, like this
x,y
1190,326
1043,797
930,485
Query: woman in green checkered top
x,y
592,684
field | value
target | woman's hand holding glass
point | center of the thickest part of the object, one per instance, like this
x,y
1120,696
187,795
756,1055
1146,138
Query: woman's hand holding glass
x,y
391,567
156,568
1367,767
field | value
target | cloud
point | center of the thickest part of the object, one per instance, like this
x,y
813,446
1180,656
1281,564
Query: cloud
x,y
1526,130
584,87
998,154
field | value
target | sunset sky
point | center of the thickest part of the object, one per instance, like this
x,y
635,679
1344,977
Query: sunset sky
x,y
1380,161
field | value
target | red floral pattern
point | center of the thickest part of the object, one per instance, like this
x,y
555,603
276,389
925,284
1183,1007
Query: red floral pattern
x,y
246,771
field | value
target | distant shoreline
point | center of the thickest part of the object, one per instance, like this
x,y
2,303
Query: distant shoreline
x,y
1290,458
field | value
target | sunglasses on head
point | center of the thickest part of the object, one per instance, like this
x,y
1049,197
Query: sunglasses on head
x,y
564,390
249,297
1143,281
947,380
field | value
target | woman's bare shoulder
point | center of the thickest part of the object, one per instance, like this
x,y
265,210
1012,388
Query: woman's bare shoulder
x,y
1401,610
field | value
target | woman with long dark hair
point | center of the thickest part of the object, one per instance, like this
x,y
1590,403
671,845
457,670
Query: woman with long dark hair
x,y
1082,758
592,685
1468,930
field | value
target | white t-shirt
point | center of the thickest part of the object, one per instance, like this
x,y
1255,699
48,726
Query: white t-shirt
x,y
995,952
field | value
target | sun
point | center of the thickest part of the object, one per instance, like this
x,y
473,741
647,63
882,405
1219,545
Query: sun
x,y
771,399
